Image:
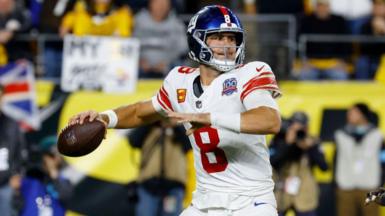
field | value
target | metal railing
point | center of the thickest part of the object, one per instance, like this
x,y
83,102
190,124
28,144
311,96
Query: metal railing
x,y
41,40
356,47
332,38
270,38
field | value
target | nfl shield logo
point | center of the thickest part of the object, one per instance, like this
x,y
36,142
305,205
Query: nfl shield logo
x,y
229,86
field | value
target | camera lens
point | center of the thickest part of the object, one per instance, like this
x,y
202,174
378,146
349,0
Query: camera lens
x,y
301,134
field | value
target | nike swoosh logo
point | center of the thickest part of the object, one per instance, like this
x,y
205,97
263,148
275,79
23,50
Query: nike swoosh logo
x,y
259,203
259,69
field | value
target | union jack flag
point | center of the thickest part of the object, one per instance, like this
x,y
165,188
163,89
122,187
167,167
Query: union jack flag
x,y
19,96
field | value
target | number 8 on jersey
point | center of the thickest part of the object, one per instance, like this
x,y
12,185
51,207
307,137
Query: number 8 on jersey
x,y
213,158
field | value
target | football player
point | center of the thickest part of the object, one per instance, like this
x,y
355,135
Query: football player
x,y
226,108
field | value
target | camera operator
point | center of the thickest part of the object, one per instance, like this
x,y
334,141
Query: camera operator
x,y
293,153
45,190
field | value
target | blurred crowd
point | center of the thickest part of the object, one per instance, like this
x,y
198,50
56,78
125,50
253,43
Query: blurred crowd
x,y
31,178
160,27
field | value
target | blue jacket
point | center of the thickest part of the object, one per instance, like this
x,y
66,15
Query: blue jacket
x,y
40,198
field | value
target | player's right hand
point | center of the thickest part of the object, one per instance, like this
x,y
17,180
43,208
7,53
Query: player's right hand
x,y
80,117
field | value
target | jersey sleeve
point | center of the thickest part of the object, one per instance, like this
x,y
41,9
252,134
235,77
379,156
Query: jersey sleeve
x,y
257,76
260,98
162,101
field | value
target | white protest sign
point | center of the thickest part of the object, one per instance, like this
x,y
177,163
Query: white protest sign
x,y
93,62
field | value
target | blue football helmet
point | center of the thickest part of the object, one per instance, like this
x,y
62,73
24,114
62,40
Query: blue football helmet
x,y
214,19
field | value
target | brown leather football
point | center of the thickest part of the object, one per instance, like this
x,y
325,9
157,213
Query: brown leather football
x,y
81,139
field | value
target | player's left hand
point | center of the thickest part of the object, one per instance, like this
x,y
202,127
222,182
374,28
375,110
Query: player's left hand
x,y
377,196
197,120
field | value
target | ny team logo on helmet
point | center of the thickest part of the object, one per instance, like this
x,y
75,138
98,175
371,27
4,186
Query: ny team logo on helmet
x,y
214,19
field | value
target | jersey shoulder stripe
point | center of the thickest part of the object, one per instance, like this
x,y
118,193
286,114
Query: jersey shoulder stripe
x,y
165,97
164,100
258,76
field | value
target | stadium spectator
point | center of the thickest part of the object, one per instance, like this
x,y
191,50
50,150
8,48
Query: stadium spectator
x,y
294,7
371,53
253,47
163,168
98,18
47,16
13,20
77,21
226,108
12,146
294,152
193,6
325,60
359,167
44,190
159,31
356,12
271,34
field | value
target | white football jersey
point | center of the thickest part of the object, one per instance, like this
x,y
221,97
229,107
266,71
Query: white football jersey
x,y
226,162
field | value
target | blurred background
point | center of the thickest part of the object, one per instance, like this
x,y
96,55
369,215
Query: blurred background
x,y
60,57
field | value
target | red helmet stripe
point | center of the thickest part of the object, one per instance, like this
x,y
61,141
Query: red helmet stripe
x,y
225,14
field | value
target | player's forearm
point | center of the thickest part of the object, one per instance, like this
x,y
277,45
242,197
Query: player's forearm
x,y
261,120
134,115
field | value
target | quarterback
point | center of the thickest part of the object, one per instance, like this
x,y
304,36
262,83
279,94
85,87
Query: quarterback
x,y
226,107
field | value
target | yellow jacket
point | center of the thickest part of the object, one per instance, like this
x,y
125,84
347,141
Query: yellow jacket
x,y
80,22
3,56
380,73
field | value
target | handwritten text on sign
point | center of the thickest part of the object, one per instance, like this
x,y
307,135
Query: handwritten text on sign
x,y
106,63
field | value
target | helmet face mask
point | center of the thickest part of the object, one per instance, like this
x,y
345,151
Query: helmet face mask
x,y
210,20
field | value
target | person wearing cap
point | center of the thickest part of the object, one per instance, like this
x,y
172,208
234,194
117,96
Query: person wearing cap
x,y
359,168
44,189
12,143
293,153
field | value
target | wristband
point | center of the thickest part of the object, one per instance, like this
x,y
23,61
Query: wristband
x,y
230,121
112,118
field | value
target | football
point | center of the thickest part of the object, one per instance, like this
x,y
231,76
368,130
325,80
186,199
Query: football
x,y
81,139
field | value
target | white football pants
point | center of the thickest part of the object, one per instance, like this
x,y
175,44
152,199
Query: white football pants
x,y
250,210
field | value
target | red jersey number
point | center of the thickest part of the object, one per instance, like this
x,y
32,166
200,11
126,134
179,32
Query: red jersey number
x,y
218,164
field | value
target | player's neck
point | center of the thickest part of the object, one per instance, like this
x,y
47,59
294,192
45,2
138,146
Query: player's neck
x,y
207,74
